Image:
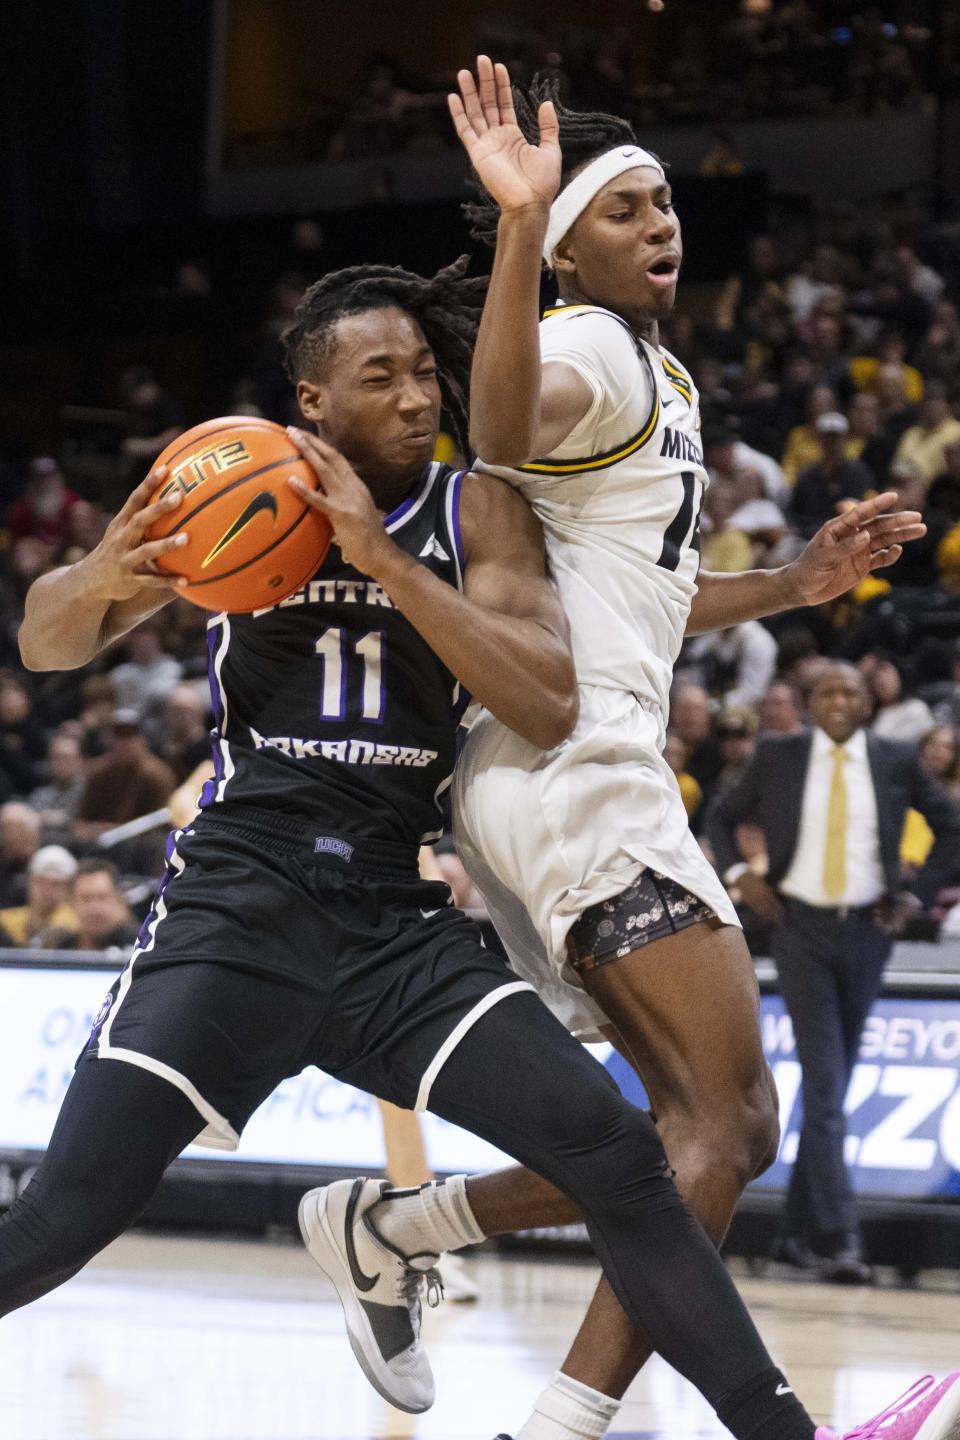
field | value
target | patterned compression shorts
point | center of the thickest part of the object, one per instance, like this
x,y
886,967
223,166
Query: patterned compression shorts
x,y
650,909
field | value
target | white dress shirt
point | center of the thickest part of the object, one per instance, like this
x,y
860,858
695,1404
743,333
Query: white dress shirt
x,y
865,878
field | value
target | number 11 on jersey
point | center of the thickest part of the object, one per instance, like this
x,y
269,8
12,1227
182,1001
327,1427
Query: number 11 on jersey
x,y
333,695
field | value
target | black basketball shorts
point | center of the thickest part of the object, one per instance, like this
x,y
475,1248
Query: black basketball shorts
x,y
270,948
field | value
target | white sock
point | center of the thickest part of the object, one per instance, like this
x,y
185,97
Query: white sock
x,y
435,1218
568,1410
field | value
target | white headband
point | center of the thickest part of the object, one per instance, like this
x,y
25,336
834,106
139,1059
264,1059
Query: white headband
x,y
572,201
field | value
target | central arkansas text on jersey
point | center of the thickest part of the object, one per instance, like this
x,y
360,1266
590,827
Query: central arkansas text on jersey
x,y
330,706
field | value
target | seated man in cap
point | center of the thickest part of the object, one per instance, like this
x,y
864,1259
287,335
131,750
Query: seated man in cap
x,y
48,883
821,489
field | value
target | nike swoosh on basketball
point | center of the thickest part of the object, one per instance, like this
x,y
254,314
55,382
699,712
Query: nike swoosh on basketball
x,y
262,501
363,1282
783,1390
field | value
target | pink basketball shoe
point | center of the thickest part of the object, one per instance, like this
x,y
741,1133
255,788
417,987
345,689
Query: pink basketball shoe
x,y
928,1411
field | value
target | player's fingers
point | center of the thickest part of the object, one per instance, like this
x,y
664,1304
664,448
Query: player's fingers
x,y
866,510
849,544
501,76
888,556
548,123
149,580
144,518
137,498
316,451
471,101
153,548
905,524
487,85
460,122
315,498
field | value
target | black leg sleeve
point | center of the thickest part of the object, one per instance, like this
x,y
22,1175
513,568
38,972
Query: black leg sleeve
x,y
521,1081
118,1129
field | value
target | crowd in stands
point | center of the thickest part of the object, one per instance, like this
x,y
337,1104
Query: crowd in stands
x,y
795,57
828,369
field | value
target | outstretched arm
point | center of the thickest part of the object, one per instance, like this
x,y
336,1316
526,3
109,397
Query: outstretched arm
x,y
73,612
518,409
866,537
505,637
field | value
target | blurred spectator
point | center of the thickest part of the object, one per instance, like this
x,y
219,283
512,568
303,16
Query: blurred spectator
x,y
780,710
940,757
99,701
723,547
49,874
19,842
803,442
22,738
145,680
924,445
821,488
43,513
183,741
691,718
914,275
154,421
865,441
897,716
103,920
123,785
732,460
56,801
737,663
736,730
939,355
675,754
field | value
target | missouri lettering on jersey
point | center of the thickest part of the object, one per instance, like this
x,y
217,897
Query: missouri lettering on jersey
x,y
330,706
620,502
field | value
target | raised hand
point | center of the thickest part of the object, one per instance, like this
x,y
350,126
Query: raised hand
x,y
513,172
866,537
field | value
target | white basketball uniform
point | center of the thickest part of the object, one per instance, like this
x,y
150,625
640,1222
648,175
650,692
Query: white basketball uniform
x,y
545,835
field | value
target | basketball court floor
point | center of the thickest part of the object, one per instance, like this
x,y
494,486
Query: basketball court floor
x,y
185,1339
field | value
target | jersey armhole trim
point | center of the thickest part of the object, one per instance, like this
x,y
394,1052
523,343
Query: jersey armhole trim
x,y
609,457
452,517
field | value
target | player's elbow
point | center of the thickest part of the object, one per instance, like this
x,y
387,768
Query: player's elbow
x,y
497,446
557,711
30,657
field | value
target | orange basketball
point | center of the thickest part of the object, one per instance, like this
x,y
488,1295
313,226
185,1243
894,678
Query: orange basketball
x,y
252,541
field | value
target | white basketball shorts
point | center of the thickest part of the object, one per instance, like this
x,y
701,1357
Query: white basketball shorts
x,y
545,835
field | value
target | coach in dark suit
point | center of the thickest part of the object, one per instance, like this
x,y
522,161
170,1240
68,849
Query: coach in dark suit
x,y
831,802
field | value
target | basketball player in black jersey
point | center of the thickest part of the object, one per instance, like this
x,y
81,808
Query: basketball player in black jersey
x,y
291,927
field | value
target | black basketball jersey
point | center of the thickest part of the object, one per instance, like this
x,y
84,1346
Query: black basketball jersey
x,y
330,706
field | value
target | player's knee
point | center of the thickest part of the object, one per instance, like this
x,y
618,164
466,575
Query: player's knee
x,y
755,1122
624,1161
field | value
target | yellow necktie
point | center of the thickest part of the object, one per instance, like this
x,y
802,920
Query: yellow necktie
x,y
835,850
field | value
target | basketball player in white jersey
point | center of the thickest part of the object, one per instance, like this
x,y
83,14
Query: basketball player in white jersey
x,y
583,853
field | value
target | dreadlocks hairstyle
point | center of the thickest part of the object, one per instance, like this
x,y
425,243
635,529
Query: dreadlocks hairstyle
x,y
447,308
582,138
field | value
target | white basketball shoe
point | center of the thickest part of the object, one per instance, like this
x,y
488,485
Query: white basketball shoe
x,y
379,1288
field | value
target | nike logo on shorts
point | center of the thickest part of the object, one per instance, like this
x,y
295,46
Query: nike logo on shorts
x,y
783,1390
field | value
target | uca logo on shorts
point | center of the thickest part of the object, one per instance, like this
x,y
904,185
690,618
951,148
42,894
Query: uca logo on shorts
x,y
332,845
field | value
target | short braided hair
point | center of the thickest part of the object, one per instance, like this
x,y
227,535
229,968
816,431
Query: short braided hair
x,y
447,308
583,137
